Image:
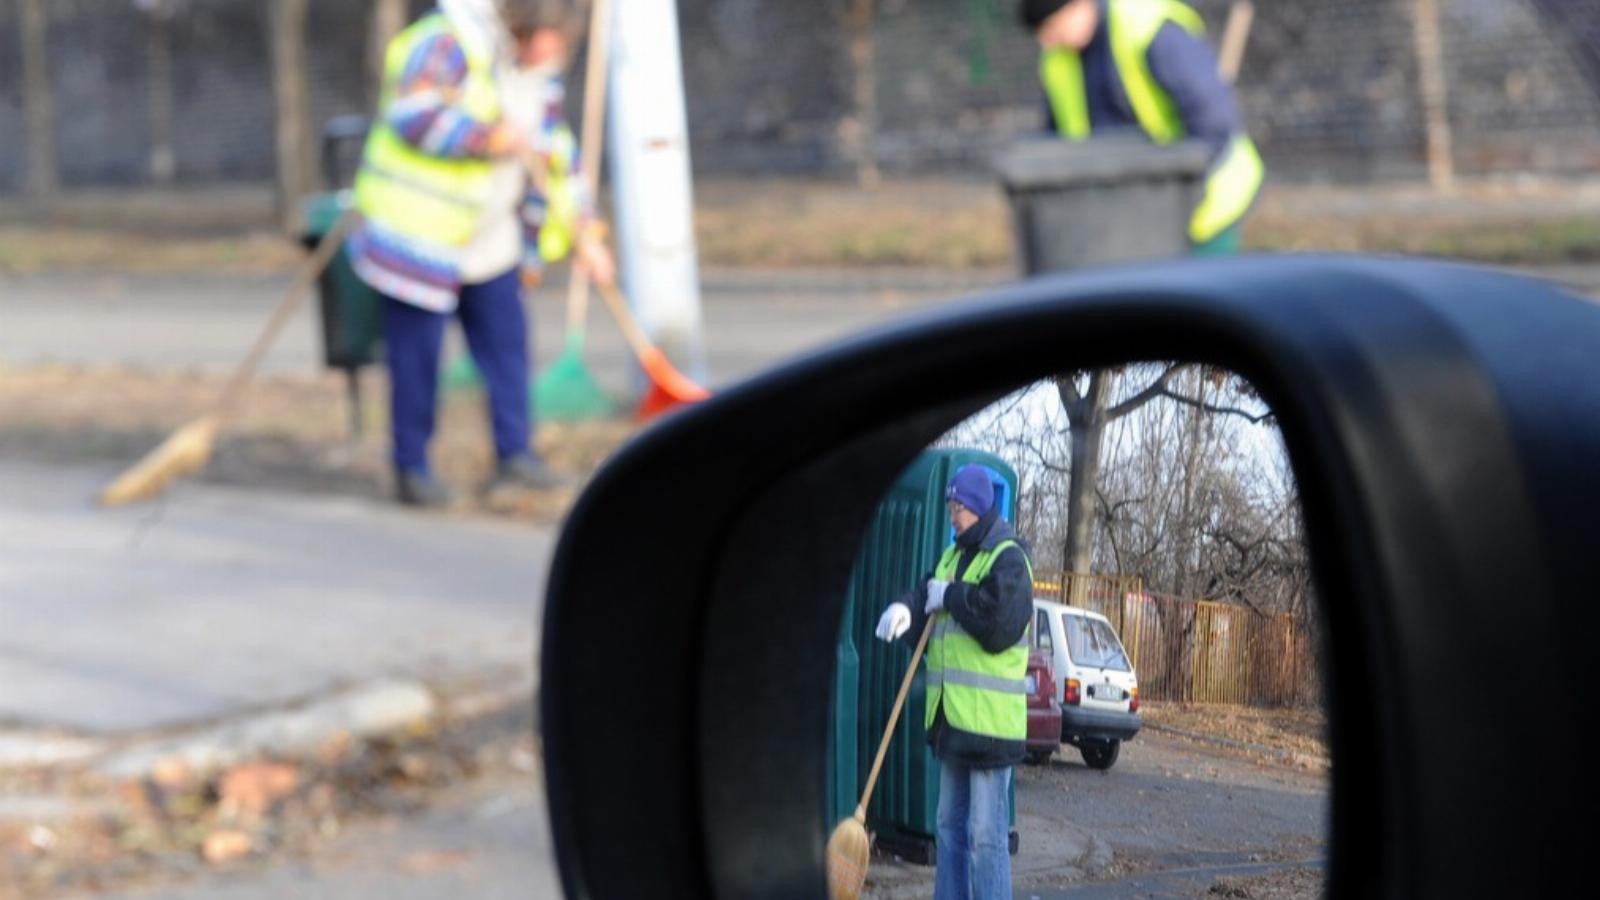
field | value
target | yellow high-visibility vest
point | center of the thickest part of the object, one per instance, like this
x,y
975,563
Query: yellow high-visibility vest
x,y
1132,27
982,693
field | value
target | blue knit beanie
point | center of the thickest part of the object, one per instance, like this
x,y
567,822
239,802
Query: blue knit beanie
x,y
972,488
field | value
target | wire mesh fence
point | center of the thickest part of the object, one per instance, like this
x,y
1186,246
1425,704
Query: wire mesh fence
x,y
132,92
1198,651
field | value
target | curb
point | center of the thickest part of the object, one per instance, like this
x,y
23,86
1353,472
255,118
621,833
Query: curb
x,y
363,712
1287,757
366,712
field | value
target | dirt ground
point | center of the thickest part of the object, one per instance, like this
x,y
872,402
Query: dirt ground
x,y
936,222
293,435
1295,730
178,824
1284,884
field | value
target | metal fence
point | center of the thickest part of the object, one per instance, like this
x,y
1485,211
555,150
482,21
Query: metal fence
x,y
1198,651
141,91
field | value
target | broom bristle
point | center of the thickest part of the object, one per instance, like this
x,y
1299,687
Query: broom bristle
x,y
187,450
849,850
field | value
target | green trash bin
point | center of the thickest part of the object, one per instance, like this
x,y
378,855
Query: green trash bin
x,y
351,312
903,543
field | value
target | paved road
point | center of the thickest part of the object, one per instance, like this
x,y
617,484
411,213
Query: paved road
x,y
1173,806
208,322
221,599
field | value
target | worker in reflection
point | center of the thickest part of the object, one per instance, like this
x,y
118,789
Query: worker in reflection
x,y
1113,65
981,599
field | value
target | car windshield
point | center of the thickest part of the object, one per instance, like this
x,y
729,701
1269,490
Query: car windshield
x,y
1091,642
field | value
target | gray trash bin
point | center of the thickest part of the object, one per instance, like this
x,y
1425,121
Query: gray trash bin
x,y
1105,200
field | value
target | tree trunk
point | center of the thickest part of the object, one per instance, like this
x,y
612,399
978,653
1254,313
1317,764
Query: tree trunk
x,y
163,154
863,134
1431,82
388,18
1086,420
38,100
1188,527
296,152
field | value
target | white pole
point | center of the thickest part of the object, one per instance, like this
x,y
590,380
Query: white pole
x,y
651,189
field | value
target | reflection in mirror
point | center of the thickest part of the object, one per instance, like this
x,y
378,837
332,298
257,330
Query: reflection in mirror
x,y
1117,688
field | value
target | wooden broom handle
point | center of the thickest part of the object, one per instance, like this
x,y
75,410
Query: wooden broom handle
x,y
894,718
594,135
327,247
631,329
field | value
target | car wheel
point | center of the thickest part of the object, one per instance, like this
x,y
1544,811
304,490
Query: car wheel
x,y
1100,755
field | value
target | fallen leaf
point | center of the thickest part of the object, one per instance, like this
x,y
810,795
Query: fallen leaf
x,y
253,788
426,861
335,749
225,846
171,774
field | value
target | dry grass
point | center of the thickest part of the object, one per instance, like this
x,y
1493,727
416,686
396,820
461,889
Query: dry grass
x,y
1300,731
291,433
938,223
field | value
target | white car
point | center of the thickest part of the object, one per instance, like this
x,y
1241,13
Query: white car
x,y
1095,682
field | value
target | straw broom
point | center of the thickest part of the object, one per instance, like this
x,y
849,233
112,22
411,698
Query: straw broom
x,y
849,848
189,448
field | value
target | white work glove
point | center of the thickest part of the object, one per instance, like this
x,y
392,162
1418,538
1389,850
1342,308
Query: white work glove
x,y
895,621
936,590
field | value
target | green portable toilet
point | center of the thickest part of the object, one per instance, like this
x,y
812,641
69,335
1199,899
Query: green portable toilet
x,y
903,543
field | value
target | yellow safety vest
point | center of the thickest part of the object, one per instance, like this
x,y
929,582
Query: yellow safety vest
x,y
436,203
1133,25
982,693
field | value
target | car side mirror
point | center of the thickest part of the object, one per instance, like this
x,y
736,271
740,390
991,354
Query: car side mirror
x,y
1443,423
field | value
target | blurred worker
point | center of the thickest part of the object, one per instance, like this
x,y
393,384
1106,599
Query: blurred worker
x,y
457,195
1117,64
981,598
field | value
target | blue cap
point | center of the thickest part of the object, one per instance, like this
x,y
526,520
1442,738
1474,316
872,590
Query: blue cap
x,y
972,487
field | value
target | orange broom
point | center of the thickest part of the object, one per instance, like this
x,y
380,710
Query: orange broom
x,y
668,386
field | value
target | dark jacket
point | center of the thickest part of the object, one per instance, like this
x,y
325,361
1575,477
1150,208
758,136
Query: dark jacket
x,y
1186,69
995,612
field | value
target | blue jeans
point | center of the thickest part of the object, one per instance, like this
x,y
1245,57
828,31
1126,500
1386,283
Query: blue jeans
x,y
974,859
497,334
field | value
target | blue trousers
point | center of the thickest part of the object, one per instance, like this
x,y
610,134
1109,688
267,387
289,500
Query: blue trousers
x,y
972,849
497,334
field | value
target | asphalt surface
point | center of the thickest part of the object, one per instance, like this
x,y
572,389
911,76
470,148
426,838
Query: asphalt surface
x,y
218,600
208,322
1186,809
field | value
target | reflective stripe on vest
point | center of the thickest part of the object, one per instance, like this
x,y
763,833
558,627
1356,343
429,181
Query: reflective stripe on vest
x,y
437,203
1132,26
982,693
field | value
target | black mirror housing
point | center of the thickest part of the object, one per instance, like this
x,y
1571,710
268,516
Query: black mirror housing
x,y
1443,422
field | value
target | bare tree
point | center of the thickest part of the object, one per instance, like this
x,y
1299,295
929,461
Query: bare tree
x,y
296,150
158,53
861,129
1170,471
388,19
38,99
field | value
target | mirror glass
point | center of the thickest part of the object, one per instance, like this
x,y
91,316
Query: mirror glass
x,y
1121,661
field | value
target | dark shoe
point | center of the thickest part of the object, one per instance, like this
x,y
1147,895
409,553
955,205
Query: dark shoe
x,y
423,490
528,473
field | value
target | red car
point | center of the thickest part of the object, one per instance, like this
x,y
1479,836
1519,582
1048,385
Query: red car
x,y
1044,711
